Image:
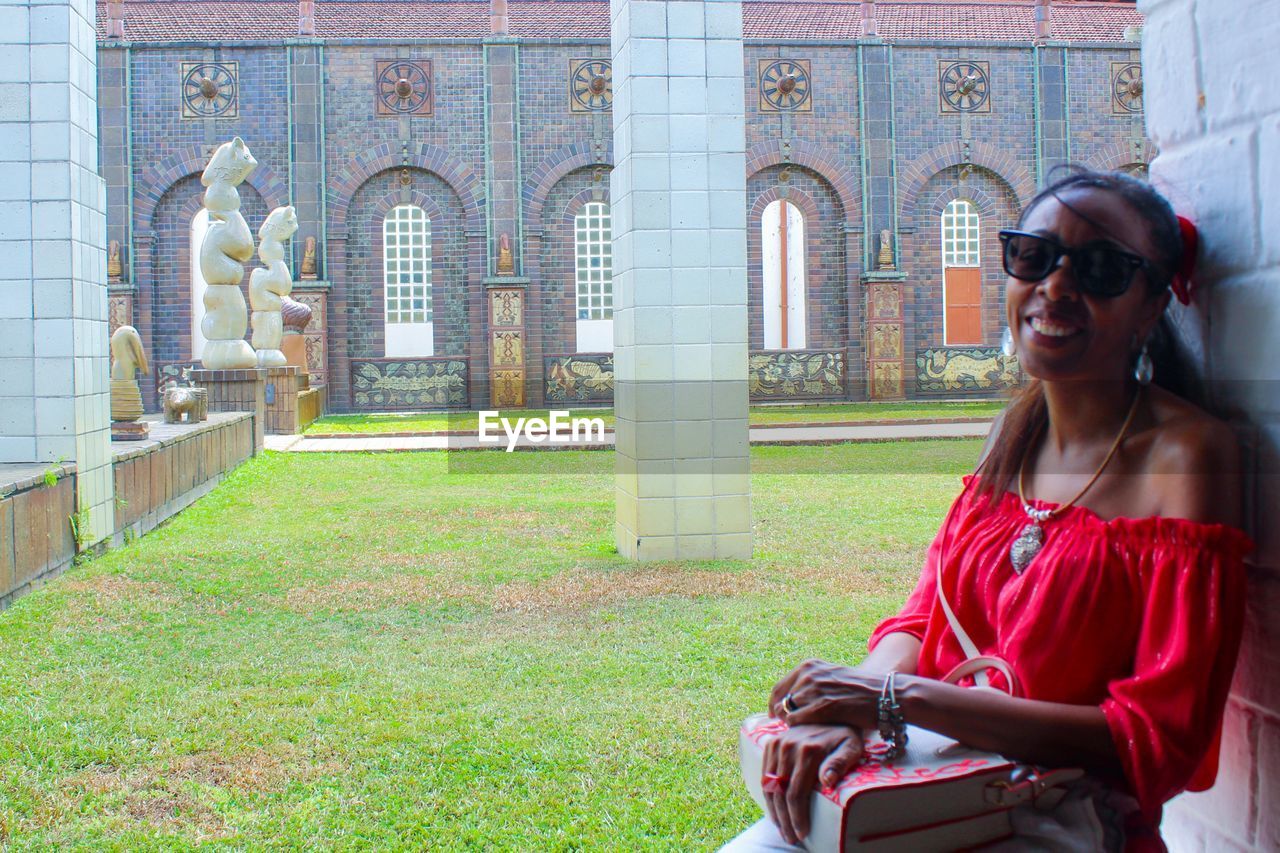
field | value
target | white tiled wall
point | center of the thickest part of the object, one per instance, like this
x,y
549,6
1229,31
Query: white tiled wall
x,y
54,393
1213,108
680,280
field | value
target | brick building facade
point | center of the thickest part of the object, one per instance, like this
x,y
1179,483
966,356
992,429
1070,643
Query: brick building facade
x,y
869,118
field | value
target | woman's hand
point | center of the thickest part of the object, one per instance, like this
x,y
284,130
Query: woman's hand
x,y
827,693
800,759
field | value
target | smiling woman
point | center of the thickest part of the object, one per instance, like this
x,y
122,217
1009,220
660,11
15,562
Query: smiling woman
x,y
1092,562
1074,311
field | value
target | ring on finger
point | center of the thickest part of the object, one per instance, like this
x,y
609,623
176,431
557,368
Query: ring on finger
x,y
774,783
789,704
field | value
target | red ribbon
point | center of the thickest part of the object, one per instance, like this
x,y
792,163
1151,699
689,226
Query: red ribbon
x,y
1182,285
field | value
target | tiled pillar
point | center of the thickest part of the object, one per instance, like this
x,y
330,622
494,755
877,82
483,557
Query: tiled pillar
x,y
54,399
305,76
1054,128
505,330
874,64
680,280
501,62
113,153
884,332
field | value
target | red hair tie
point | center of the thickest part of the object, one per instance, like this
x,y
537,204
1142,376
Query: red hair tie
x,y
1181,285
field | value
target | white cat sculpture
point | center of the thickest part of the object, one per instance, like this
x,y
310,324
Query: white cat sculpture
x,y
269,283
227,245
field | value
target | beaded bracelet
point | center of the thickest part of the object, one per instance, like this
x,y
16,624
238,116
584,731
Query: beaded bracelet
x,y
893,728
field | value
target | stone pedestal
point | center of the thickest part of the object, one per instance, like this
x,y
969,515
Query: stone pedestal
x,y
294,347
281,394
678,196
130,431
237,391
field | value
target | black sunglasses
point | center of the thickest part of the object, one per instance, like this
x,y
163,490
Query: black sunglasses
x,y
1099,268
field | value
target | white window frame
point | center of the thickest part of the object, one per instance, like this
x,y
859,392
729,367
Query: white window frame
x,y
771,262
408,312
961,234
593,277
199,228
961,246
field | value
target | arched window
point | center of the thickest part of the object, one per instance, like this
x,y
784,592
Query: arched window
x,y
593,277
783,254
406,273
199,227
961,274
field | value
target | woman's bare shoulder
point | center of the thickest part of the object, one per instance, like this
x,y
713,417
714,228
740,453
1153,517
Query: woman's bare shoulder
x,y
1197,458
1187,436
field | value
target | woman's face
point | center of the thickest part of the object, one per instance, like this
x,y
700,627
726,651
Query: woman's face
x,y
1062,333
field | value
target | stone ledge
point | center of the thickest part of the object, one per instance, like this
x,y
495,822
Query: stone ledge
x,y
20,476
152,480
164,435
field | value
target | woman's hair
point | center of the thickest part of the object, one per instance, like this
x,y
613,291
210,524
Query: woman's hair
x,y
1027,413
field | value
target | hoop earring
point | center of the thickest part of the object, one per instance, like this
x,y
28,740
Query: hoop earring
x,y
1143,369
1007,346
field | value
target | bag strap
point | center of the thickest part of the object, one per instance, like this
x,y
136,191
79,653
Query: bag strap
x,y
975,663
977,667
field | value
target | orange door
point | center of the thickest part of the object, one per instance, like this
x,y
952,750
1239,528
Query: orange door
x,y
963,287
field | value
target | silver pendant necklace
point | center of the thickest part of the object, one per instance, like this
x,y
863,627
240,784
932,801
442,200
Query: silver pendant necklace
x,y
1029,542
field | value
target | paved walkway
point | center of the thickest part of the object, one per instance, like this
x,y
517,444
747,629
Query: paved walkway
x,y
812,434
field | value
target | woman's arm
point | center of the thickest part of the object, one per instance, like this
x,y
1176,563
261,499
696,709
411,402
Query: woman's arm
x,y
1048,733
1030,730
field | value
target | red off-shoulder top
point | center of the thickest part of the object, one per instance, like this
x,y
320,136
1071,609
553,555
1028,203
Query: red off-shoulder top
x,y
1141,617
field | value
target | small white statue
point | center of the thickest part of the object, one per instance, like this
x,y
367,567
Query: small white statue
x,y
885,261
268,285
227,245
127,358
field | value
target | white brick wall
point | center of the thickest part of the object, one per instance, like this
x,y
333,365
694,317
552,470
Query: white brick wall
x,y
54,392
1213,108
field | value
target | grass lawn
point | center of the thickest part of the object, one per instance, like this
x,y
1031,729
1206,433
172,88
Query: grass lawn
x,y
760,415
378,651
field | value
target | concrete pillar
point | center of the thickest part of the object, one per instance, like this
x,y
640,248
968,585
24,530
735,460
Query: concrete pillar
x,y
54,398
680,280
1213,108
